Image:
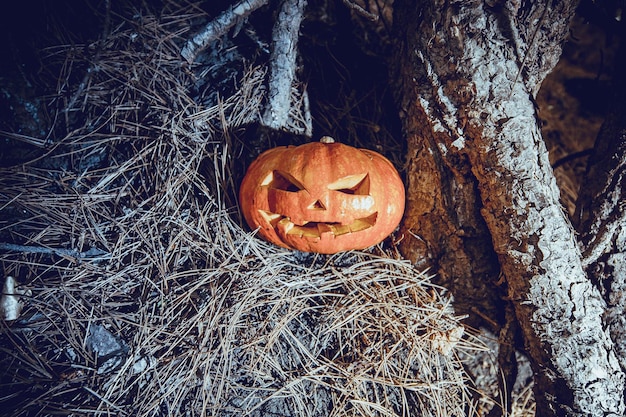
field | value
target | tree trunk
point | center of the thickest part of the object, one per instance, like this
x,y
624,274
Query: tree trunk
x,y
481,187
443,228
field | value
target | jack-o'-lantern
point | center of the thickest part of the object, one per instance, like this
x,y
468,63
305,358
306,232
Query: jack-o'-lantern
x,y
322,197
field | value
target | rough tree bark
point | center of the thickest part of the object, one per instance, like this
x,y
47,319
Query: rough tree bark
x,y
479,182
283,65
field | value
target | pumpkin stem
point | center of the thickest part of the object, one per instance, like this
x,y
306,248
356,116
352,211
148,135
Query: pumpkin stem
x,y
327,139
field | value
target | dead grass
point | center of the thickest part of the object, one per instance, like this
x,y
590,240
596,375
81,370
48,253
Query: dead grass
x,y
148,298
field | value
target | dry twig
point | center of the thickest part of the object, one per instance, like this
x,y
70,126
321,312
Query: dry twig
x,y
219,26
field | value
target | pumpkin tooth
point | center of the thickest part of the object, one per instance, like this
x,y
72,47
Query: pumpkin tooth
x,y
359,225
310,232
364,223
340,229
303,231
286,224
271,218
324,228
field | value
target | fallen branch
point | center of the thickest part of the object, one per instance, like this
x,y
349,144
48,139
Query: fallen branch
x,y
283,65
72,253
219,26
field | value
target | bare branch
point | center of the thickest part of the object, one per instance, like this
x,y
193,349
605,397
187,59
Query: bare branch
x,y
219,26
283,64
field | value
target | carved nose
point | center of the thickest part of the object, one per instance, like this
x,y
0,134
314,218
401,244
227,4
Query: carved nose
x,y
317,205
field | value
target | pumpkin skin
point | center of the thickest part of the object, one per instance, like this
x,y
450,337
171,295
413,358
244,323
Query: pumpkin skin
x,y
322,197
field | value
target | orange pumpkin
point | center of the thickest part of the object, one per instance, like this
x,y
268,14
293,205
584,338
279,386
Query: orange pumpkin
x,y
322,197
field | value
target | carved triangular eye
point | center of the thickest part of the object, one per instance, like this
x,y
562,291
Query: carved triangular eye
x,y
358,184
282,181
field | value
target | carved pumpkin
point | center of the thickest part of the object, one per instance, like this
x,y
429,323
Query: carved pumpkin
x,y
322,197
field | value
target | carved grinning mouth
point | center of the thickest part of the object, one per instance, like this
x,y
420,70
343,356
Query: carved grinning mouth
x,y
316,229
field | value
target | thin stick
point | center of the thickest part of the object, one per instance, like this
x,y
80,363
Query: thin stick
x,y
52,251
360,10
219,26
